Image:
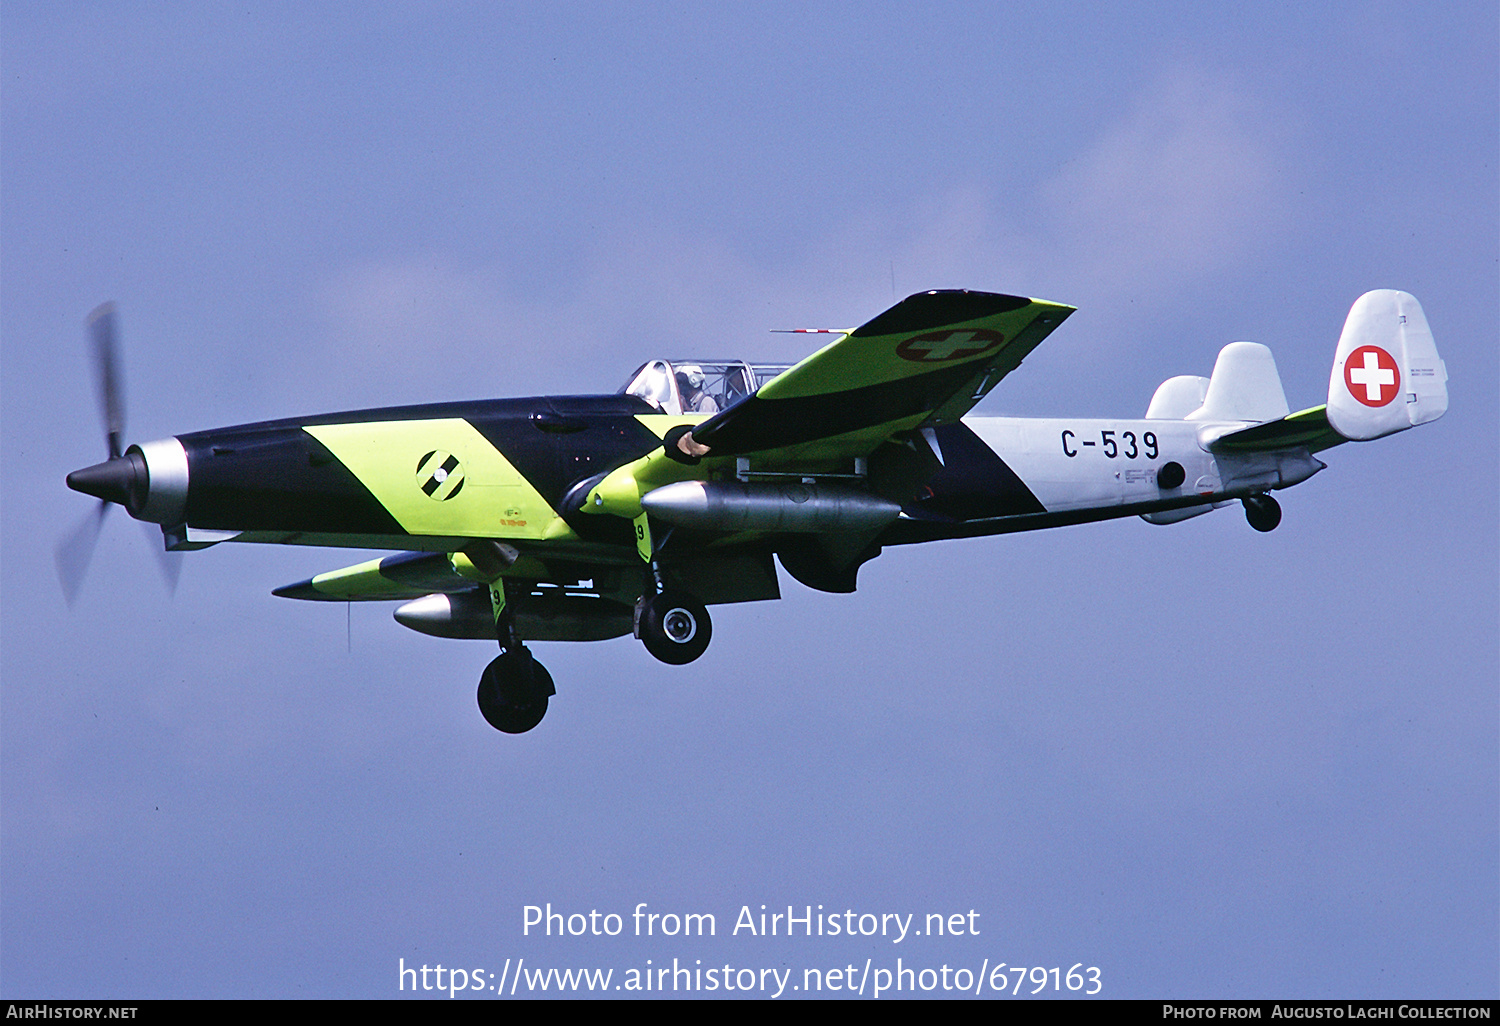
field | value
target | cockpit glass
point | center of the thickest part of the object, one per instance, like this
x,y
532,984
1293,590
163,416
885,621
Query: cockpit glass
x,y
698,386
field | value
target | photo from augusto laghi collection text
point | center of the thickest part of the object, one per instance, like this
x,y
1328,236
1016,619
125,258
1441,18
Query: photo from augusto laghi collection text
x,y
869,976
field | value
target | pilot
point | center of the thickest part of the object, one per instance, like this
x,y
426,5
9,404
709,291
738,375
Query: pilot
x,y
690,383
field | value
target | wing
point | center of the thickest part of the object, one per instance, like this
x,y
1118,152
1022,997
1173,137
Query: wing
x,y
925,361
1306,428
445,604
406,575
715,577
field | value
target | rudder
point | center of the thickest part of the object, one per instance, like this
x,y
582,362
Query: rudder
x,y
1387,375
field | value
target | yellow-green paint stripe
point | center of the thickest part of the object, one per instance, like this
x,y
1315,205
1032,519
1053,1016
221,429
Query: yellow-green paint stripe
x,y
393,460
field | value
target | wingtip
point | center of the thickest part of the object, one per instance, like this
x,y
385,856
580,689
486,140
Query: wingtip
x,y
938,308
300,590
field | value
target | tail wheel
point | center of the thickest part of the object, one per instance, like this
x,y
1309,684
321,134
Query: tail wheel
x,y
674,627
513,692
1262,511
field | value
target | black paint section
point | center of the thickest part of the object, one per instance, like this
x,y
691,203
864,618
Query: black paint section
x,y
757,424
809,563
1307,429
938,309
974,483
274,476
912,532
603,434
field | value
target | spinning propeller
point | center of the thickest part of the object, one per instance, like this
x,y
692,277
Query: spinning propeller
x,y
114,481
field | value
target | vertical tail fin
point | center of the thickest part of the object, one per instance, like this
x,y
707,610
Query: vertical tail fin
x,y
1244,386
1387,375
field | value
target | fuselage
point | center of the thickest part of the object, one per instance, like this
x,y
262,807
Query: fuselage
x,y
1004,474
435,477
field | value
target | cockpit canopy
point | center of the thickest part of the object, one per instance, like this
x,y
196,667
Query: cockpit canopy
x,y
698,386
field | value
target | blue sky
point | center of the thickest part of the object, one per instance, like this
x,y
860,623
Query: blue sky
x,y
1211,762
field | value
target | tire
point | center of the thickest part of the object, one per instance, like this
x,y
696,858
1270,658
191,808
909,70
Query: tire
x,y
513,692
675,627
1262,512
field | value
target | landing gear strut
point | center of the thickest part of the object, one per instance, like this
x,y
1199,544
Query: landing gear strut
x,y
1262,511
514,688
673,625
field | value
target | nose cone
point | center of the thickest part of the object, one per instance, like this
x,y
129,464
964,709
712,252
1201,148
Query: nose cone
x,y
121,480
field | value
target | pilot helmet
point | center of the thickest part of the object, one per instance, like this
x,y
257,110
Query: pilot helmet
x,y
690,377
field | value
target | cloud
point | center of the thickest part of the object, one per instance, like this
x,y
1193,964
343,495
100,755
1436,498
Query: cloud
x,y
1184,184
641,292
1189,182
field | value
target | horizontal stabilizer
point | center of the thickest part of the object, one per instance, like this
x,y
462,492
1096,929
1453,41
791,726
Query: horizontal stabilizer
x,y
1306,429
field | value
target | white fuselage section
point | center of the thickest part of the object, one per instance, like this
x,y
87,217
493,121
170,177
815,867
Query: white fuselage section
x,y
1078,463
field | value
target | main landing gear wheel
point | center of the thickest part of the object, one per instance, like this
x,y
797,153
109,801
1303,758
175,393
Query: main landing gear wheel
x,y
513,691
675,627
1262,511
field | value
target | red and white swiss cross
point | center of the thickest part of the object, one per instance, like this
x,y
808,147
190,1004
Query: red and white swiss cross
x,y
1371,376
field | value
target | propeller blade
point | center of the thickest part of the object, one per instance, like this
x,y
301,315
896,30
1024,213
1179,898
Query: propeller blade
x,y
115,480
169,562
108,378
76,550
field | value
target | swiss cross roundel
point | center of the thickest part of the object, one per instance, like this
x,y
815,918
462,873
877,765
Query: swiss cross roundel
x,y
440,475
1371,376
949,344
